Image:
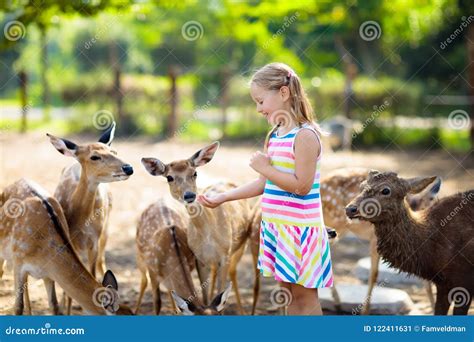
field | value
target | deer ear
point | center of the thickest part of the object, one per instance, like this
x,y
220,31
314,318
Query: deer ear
x,y
110,280
220,300
154,166
186,308
436,186
373,173
66,147
204,155
417,184
108,136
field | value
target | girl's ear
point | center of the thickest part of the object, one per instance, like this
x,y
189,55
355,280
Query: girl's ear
x,y
285,93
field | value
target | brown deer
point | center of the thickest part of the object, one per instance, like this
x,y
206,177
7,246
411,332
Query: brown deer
x,y
338,188
163,252
188,307
436,244
35,239
218,236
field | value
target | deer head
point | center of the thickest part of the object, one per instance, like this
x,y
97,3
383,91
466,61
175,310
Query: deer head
x,y
97,160
382,195
181,175
215,308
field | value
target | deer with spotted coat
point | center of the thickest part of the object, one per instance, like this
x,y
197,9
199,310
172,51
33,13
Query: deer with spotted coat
x,y
217,237
84,196
34,238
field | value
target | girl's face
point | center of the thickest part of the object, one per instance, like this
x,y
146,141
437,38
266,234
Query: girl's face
x,y
270,102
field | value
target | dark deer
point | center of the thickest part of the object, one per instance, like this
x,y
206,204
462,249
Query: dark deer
x,y
436,244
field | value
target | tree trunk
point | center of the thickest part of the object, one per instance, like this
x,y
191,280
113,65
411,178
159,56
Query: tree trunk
x,y
224,100
173,117
23,100
43,73
117,93
470,70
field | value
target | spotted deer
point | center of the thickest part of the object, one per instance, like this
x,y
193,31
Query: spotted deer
x,y
34,238
338,188
436,244
163,254
84,196
217,237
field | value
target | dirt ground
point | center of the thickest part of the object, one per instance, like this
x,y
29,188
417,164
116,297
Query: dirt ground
x,y
33,157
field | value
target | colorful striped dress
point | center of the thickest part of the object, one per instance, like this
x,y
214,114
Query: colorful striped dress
x,y
294,245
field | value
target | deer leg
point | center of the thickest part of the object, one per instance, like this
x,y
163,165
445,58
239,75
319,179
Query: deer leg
x,y
337,298
68,305
234,260
52,299
100,266
20,279
222,272
429,292
26,296
143,284
442,301
92,259
256,284
374,273
462,309
155,289
213,281
2,263
203,274
173,303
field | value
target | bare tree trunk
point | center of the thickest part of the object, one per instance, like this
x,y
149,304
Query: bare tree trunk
x,y
224,100
173,117
43,73
23,100
470,70
117,93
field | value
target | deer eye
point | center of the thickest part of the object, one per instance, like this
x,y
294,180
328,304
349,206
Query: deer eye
x,y
195,174
96,158
169,178
385,191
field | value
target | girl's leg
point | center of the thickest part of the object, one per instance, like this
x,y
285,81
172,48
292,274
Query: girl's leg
x,y
305,301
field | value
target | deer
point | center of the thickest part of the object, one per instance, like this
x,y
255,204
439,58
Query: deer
x,y
35,240
163,253
338,188
187,307
84,196
217,237
436,244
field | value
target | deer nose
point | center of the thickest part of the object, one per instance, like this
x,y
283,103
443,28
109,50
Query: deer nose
x,y
351,210
128,169
189,196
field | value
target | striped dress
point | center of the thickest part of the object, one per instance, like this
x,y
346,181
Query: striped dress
x,y
294,245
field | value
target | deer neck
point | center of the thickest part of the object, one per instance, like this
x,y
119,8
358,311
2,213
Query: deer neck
x,y
403,240
82,201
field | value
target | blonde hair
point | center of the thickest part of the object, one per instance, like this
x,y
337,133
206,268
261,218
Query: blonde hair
x,y
273,76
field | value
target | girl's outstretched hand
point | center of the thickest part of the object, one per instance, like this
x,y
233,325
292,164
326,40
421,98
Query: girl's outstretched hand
x,y
211,201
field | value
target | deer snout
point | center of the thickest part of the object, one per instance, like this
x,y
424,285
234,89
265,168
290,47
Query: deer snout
x,y
189,197
128,169
351,211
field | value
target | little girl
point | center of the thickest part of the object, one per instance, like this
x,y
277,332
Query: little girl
x,y
294,246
